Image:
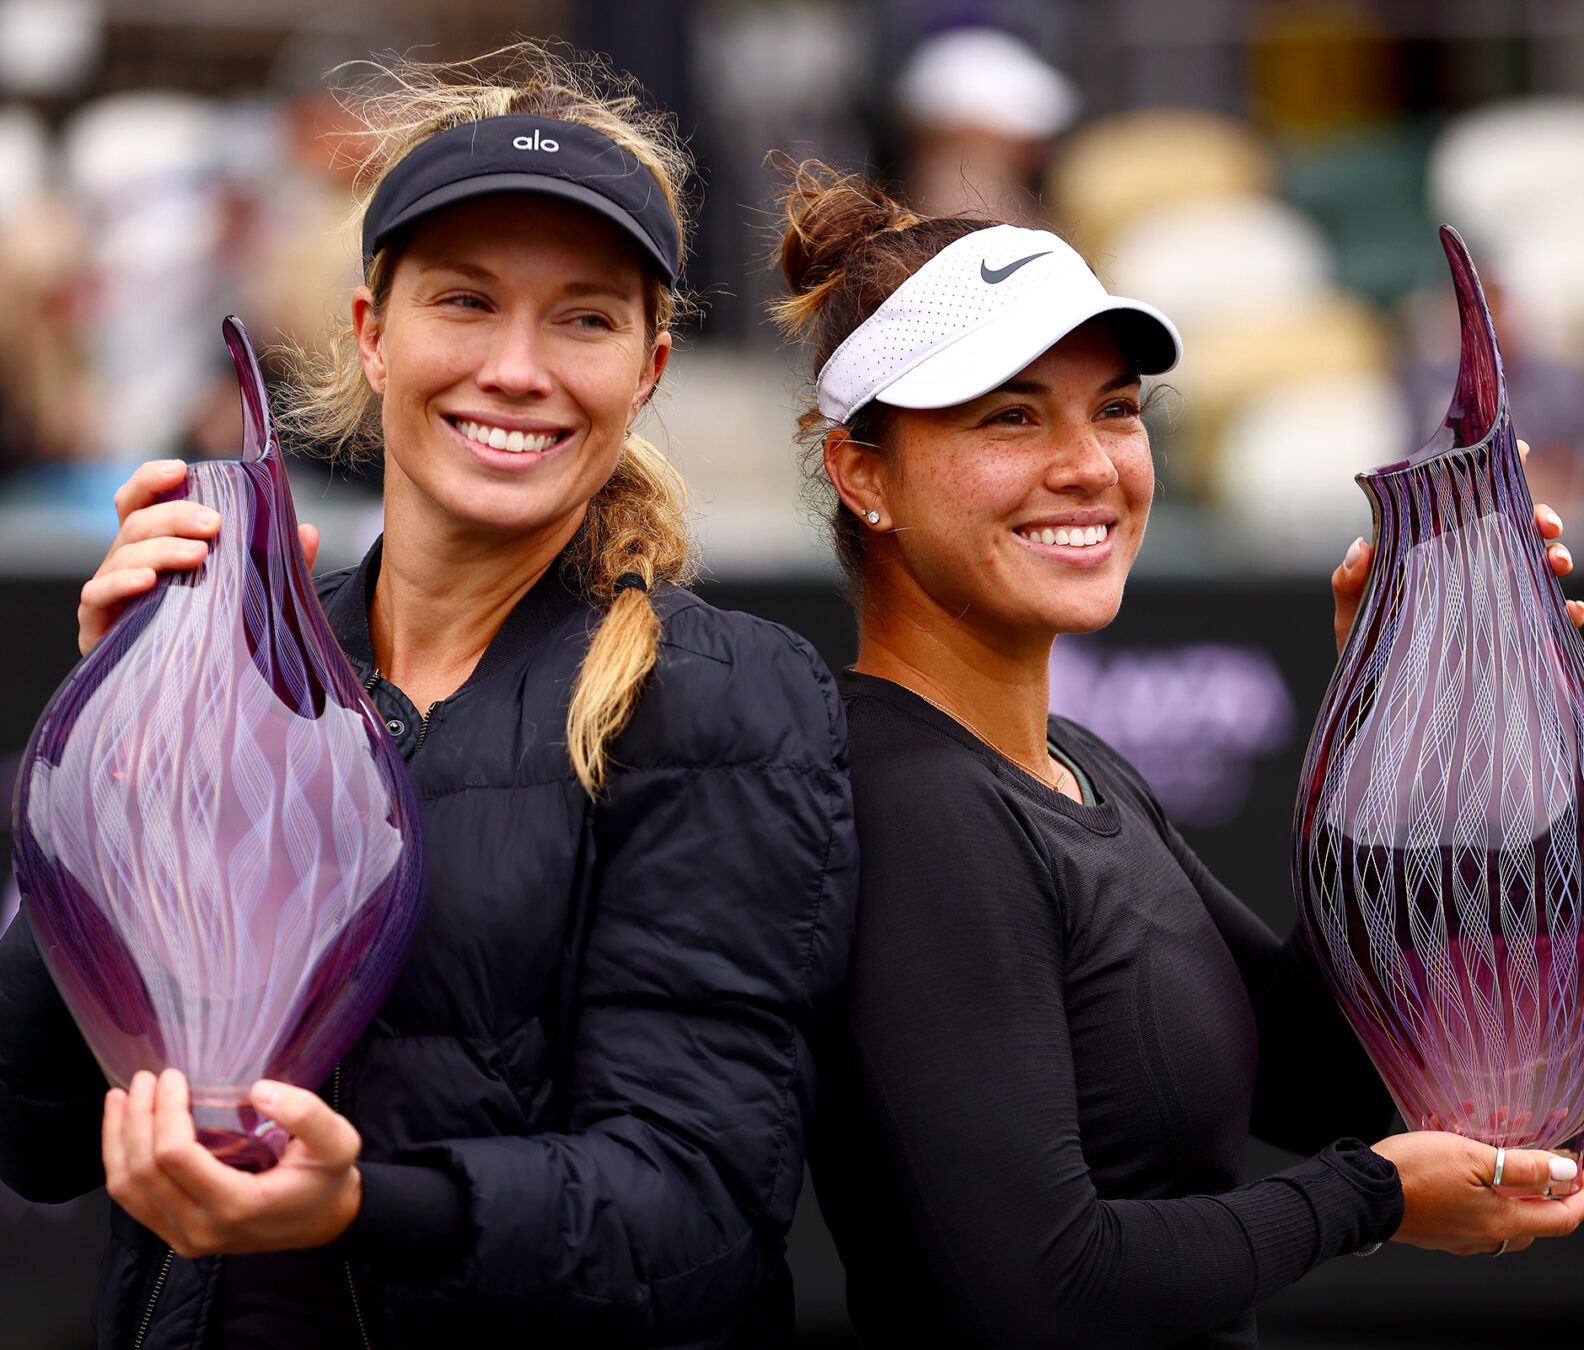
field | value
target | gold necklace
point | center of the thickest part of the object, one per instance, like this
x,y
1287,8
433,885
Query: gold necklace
x,y
1061,769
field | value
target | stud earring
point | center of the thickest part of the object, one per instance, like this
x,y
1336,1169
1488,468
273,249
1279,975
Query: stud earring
x,y
873,517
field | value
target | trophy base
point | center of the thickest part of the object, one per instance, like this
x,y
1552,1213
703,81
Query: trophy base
x,y
231,1128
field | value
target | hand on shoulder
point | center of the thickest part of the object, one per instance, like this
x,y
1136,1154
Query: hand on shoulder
x,y
155,536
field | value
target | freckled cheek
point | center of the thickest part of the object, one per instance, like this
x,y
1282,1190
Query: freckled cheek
x,y
1137,471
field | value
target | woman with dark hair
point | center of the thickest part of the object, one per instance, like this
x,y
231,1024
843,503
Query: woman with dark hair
x,y
578,1117
1062,1028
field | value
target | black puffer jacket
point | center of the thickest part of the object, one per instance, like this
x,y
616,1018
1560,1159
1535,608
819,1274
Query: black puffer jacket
x,y
583,1104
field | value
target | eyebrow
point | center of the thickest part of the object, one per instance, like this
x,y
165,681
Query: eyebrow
x,y
1036,387
463,268
573,289
578,288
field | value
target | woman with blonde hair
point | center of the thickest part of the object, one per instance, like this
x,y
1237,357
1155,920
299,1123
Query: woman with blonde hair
x,y
578,1118
1062,1028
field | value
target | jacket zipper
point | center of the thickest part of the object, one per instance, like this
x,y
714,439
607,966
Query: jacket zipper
x,y
357,1306
148,1309
423,726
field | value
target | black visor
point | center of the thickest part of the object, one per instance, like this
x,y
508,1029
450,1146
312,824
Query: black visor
x,y
537,155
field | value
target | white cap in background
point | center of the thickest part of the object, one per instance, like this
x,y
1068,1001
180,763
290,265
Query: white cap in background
x,y
987,80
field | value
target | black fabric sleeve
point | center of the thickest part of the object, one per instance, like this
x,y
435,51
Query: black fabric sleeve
x,y
719,929
1315,1080
959,1029
409,1215
51,1089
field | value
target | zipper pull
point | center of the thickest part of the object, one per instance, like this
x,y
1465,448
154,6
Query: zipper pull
x,y
423,727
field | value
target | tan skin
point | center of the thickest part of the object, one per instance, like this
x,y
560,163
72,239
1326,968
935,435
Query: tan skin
x,y
961,606
524,313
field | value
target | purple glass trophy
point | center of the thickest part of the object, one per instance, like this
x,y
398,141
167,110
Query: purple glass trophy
x,y
1436,851
217,844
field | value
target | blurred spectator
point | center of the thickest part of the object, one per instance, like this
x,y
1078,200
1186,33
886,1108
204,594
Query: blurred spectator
x,y
303,263
171,210
48,47
980,109
1510,177
41,403
145,170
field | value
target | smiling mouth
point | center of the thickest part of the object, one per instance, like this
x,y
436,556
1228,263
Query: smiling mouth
x,y
1075,536
513,442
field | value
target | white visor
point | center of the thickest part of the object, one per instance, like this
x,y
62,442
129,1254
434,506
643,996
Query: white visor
x,y
974,315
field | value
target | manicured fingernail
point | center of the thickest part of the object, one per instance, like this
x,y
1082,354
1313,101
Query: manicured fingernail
x,y
1562,1169
265,1094
1354,549
206,517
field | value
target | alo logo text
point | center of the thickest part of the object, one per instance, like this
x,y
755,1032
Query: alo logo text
x,y
534,143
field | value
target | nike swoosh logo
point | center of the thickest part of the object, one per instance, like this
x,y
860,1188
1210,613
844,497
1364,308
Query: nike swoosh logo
x,y
994,275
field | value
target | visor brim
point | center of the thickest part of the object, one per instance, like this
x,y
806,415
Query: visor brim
x,y
990,356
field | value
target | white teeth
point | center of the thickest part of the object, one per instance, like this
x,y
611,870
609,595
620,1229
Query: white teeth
x,y
1079,536
498,438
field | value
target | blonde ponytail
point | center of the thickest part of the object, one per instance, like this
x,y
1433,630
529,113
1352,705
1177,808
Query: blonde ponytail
x,y
636,524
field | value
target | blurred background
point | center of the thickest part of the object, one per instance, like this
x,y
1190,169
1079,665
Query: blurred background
x,y
1269,172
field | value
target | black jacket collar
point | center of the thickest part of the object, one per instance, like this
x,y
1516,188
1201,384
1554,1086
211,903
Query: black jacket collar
x,y
534,617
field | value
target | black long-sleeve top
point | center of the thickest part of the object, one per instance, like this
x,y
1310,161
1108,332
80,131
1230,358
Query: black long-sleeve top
x,y
1062,1030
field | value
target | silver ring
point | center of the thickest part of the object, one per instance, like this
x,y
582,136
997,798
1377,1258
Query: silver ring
x,y
1501,1162
1502,1248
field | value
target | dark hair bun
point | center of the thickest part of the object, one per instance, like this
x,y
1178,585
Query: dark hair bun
x,y
828,216
846,244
